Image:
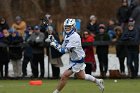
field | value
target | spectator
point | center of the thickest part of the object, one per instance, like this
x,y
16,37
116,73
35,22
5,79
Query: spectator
x,y
136,12
1,64
102,50
3,24
27,52
19,26
132,5
131,35
50,21
4,58
129,2
43,26
45,22
121,50
54,55
15,53
4,53
123,14
110,28
87,44
92,25
36,41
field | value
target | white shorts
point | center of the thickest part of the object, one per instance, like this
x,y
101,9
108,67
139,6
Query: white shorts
x,y
76,67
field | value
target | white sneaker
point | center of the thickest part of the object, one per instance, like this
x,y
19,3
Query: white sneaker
x,y
100,83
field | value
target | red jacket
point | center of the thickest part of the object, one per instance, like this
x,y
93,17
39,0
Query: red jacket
x,y
87,44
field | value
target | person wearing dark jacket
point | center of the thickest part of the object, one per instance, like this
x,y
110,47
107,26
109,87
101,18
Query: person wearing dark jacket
x,y
15,53
3,24
36,40
131,36
56,61
54,55
136,12
102,49
4,53
123,14
121,50
92,25
27,57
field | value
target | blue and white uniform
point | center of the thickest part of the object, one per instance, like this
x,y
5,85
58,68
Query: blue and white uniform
x,y
72,43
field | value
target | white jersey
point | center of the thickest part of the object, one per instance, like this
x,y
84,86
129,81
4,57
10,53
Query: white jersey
x,y
73,44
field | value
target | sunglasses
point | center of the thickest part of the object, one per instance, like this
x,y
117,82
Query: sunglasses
x,y
101,28
36,29
130,25
29,29
86,34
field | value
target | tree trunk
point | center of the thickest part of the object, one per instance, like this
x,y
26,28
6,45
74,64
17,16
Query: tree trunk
x,y
5,10
62,4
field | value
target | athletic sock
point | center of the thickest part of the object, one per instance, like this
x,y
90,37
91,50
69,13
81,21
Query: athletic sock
x,y
56,91
90,78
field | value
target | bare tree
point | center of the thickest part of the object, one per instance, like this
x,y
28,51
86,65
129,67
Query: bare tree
x,y
62,4
5,9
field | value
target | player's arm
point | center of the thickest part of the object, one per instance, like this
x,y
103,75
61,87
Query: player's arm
x,y
54,43
57,46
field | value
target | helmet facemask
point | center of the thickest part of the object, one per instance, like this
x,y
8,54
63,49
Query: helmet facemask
x,y
69,25
68,28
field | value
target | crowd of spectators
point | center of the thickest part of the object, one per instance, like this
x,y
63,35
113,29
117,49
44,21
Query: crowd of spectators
x,y
123,32
21,44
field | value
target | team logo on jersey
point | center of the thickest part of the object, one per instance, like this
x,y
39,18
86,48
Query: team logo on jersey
x,y
66,42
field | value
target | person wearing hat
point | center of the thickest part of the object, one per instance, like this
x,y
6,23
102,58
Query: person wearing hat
x,y
4,58
131,35
102,49
121,49
4,53
92,25
19,26
15,52
54,55
27,57
36,40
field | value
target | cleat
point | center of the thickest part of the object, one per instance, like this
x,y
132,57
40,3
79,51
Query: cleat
x,y
100,84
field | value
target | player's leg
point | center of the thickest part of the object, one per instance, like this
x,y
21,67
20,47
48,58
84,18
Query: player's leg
x,y
63,80
81,75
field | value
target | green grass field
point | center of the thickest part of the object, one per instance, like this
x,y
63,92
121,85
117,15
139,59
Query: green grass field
x,y
73,86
